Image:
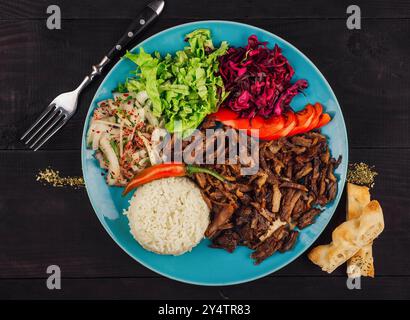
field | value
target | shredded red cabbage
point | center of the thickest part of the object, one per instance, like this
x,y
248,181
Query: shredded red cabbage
x,y
258,79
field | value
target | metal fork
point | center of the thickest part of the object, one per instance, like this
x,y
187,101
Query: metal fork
x,y
62,108
55,116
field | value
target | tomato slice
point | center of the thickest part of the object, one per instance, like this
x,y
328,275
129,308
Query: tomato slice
x,y
304,119
257,125
224,114
323,120
239,123
290,124
318,112
275,123
257,122
271,126
318,108
230,118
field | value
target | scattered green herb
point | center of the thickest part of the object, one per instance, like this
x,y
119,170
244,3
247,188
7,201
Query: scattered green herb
x,y
361,174
115,147
52,177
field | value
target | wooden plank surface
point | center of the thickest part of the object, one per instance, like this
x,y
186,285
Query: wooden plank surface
x,y
208,9
273,288
369,70
58,225
38,63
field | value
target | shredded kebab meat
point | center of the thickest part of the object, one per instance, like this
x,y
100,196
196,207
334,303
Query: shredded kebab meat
x,y
264,211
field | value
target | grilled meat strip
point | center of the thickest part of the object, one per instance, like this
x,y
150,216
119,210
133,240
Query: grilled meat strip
x,y
260,211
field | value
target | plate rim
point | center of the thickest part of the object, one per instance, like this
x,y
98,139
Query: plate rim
x,y
249,279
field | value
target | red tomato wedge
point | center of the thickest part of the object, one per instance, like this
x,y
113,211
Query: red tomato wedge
x,y
257,122
256,126
274,123
224,114
318,108
239,123
230,118
303,119
290,124
318,112
271,126
287,124
323,120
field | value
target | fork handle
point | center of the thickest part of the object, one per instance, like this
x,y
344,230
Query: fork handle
x,y
137,26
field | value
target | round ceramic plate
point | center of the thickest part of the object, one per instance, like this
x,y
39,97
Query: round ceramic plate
x,y
204,265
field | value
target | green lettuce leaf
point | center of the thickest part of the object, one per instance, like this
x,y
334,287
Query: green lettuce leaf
x,y
184,87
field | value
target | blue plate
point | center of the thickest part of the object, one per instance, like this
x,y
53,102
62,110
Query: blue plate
x,y
204,265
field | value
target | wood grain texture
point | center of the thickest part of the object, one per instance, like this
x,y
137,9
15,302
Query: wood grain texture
x,y
58,225
274,288
206,9
368,70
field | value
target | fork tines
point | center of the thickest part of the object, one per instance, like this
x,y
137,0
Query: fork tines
x,y
47,124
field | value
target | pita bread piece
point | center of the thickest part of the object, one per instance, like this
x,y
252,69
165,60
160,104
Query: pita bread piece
x,y
361,264
349,237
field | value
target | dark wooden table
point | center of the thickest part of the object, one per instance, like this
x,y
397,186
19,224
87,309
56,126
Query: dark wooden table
x,y
369,70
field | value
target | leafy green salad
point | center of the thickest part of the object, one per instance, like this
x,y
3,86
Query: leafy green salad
x,y
183,88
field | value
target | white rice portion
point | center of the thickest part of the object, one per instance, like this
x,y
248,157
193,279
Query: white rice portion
x,y
168,216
